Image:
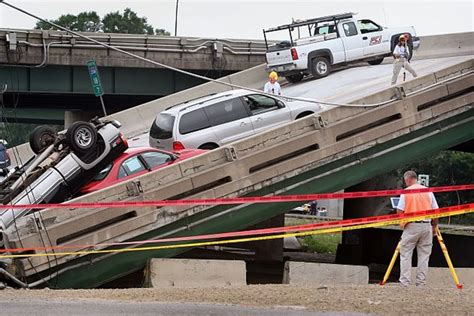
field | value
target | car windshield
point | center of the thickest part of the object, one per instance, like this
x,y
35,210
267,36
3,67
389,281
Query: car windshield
x,y
103,173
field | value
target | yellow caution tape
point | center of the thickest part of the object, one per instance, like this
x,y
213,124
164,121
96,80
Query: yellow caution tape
x,y
247,239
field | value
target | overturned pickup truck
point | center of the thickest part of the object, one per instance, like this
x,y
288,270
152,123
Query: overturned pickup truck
x,y
63,164
315,45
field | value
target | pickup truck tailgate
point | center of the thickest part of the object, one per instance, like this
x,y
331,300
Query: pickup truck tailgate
x,y
279,57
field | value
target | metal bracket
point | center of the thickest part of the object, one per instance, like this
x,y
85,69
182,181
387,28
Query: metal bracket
x,y
318,122
134,188
12,42
218,49
230,153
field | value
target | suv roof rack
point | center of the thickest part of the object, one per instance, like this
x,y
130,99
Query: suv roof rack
x,y
311,21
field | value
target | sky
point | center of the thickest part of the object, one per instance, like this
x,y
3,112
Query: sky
x,y
245,19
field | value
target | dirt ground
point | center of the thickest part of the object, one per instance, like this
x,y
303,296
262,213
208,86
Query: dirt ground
x,y
373,299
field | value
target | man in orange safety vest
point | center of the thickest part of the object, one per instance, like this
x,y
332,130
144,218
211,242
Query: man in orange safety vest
x,y
417,234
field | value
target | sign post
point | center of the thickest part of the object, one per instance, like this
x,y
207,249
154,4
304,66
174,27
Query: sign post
x,y
95,80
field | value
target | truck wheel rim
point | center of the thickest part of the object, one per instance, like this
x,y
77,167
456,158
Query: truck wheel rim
x,y
321,67
83,137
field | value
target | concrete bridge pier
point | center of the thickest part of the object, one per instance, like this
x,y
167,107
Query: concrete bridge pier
x,y
351,248
74,116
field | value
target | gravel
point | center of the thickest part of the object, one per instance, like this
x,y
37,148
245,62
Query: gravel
x,y
373,299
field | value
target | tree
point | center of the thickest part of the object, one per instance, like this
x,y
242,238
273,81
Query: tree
x,y
129,22
114,22
448,168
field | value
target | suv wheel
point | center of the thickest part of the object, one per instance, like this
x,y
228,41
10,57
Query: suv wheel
x,y
294,78
209,146
41,138
81,137
320,67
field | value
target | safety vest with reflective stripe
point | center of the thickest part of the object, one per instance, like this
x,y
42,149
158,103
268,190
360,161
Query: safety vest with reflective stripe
x,y
417,201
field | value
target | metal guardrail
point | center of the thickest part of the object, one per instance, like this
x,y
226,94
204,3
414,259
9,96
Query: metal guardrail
x,y
247,165
149,43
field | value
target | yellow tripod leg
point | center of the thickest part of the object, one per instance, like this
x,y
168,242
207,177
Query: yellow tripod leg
x,y
448,259
390,266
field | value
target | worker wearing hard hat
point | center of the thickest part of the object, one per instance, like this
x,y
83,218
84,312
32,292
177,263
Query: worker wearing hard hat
x,y
272,86
401,53
418,234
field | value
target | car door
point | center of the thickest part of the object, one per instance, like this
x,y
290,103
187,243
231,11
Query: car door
x,y
353,42
229,120
378,41
266,112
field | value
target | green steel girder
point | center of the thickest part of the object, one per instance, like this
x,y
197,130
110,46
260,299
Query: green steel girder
x,y
93,270
115,80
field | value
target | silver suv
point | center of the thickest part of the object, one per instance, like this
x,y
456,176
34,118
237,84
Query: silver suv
x,y
218,119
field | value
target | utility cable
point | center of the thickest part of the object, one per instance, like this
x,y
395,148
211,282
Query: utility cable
x,y
186,72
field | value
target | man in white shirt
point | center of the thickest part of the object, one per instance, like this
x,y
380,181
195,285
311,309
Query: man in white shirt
x,y
401,54
272,86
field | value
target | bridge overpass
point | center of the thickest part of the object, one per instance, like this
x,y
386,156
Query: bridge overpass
x,y
47,69
336,149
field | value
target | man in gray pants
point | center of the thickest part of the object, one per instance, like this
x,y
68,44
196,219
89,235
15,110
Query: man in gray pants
x,y
417,234
401,53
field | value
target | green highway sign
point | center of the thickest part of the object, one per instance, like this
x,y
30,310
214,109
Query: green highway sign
x,y
95,79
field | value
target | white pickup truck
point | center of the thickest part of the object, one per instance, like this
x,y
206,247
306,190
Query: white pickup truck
x,y
331,40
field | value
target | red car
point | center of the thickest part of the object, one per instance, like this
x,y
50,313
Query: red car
x,y
135,162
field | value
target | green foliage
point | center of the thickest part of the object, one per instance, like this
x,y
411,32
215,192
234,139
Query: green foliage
x,y
19,133
325,243
448,168
114,22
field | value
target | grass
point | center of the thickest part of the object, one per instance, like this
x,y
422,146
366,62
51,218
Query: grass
x,y
325,243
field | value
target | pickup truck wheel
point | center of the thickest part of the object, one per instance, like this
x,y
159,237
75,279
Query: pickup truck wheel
x,y
41,138
81,137
376,61
294,78
320,67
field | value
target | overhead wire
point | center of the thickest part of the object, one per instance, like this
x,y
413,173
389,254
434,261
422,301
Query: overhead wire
x,y
187,72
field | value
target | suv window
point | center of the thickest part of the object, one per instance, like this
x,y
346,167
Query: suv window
x,y
260,103
193,121
154,159
226,111
349,28
162,127
130,166
367,26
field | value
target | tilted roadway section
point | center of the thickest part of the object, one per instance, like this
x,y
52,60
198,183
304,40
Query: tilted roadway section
x,y
330,151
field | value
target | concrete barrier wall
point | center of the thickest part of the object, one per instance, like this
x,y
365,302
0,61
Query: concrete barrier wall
x,y
441,277
306,273
447,45
195,273
138,119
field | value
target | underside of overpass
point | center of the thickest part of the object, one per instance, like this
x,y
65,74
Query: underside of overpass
x,y
43,95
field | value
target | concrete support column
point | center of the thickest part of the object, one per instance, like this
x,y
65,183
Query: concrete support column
x,y
74,116
270,250
351,250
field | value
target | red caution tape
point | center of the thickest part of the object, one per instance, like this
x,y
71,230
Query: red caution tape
x,y
242,200
267,231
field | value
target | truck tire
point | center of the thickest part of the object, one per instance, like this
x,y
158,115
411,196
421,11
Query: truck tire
x,y
376,61
41,138
320,67
81,137
294,78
